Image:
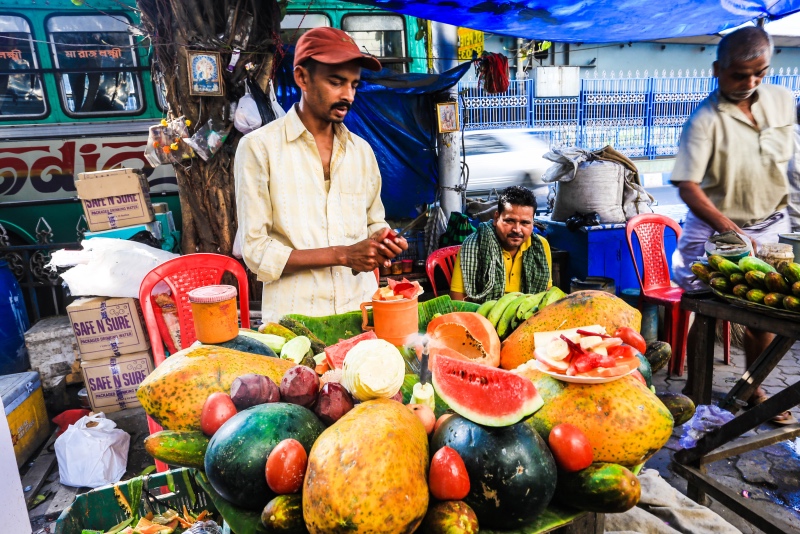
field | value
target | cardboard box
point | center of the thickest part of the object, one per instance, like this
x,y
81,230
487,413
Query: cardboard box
x,y
114,198
106,327
128,232
112,382
52,348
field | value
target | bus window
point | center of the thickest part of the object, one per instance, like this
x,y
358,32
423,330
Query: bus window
x,y
295,25
92,50
20,94
380,35
161,91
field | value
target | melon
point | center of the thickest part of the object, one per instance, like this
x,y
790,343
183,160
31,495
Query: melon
x,y
485,395
625,422
368,472
478,327
574,311
512,473
174,394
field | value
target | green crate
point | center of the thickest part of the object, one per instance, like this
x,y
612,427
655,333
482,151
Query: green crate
x,y
98,509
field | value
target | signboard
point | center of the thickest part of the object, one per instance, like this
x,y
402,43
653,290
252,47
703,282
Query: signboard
x,y
469,41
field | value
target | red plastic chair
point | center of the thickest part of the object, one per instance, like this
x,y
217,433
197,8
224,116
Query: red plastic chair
x,y
182,275
654,281
444,258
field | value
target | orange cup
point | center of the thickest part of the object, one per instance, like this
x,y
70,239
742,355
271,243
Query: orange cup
x,y
395,320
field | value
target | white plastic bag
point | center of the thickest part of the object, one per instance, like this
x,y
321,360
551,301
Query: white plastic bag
x,y
706,418
247,118
92,453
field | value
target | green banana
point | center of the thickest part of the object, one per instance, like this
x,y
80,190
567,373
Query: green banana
x,y
530,314
553,294
486,307
531,303
498,309
504,325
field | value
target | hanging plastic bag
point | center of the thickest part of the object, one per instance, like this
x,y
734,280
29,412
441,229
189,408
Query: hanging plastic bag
x,y
92,453
273,99
247,117
165,142
210,138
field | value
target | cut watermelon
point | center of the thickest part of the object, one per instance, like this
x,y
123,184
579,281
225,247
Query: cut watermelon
x,y
335,353
484,395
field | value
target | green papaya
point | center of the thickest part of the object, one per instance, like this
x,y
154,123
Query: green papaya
x,y
755,295
284,515
721,284
791,271
791,303
680,406
179,448
756,279
701,270
740,290
727,267
774,300
601,487
751,263
658,353
776,283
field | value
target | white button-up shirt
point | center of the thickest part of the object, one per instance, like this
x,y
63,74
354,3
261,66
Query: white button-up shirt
x,y
284,204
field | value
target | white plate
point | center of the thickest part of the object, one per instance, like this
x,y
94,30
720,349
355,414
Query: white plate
x,y
579,379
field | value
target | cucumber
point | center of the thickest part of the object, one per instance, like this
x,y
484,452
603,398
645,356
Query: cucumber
x,y
680,406
776,283
716,274
504,324
178,448
714,261
755,295
791,303
751,263
601,487
791,271
486,307
727,267
721,284
658,353
701,271
284,515
737,278
498,309
741,290
756,279
796,289
774,300
276,330
531,304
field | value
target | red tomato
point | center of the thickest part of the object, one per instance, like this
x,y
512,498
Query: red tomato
x,y
632,338
448,478
622,351
571,448
286,467
217,409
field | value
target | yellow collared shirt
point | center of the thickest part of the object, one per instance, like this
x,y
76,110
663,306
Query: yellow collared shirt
x,y
284,204
513,267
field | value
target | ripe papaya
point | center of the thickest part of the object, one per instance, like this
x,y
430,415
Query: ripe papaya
x,y
774,300
751,263
601,487
756,279
755,295
791,271
185,448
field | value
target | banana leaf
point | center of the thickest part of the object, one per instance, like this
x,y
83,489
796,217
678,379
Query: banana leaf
x,y
553,517
330,329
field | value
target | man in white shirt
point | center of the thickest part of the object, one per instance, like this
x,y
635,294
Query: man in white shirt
x,y
308,191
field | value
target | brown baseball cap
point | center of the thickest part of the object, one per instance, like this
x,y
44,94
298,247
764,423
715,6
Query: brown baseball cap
x,y
332,47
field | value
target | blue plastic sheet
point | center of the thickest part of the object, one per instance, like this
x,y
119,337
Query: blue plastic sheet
x,y
592,21
395,114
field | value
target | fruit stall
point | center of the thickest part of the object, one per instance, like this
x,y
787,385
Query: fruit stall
x,y
314,425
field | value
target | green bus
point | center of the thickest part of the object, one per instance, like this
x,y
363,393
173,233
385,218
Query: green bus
x,y
76,95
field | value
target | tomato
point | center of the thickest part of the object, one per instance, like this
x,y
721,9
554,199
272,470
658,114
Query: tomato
x,y
286,467
571,448
632,338
217,409
448,478
622,351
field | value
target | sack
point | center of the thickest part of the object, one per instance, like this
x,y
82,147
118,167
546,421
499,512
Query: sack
x,y
596,187
92,452
247,117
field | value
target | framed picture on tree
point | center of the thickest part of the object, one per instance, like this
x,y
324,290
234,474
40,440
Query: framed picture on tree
x,y
204,74
447,115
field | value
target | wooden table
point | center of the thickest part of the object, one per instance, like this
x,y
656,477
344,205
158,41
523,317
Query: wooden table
x,y
691,463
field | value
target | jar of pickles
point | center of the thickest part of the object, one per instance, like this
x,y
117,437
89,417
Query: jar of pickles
x,y
215,314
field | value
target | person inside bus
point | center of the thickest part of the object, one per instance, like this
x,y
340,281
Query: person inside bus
x,y
504,255
311,220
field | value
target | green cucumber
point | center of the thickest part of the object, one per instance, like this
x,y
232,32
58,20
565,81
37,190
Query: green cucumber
x,y
680,406
791,303
796,289
497,311
701,271
284,515
486,307
602,487
658,353
751,263
721,284
740,290
714,260
756,279
774,300
776,283
727,267
178,448
504,324
791,271
756,295
737,278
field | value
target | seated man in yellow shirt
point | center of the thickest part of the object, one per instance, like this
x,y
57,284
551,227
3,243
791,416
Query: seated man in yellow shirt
x,y
504,255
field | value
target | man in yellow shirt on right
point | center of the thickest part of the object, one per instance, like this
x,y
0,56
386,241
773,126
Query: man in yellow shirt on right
x,y
504,255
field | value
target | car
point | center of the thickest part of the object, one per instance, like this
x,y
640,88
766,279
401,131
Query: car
x,y
500,158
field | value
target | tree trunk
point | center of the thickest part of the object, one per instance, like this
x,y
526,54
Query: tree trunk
x,y
206,188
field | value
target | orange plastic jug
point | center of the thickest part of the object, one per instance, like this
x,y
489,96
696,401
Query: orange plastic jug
x,y
395,320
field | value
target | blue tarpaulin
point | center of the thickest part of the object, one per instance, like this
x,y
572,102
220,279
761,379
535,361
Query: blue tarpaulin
x,y
395,113
593,21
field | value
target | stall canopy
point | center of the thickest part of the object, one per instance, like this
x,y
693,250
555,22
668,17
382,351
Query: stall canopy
x,y
593,21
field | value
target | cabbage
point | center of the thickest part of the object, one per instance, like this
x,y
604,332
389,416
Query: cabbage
x,y
372,369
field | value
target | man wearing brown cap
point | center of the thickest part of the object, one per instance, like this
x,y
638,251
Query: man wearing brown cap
x,y
308,191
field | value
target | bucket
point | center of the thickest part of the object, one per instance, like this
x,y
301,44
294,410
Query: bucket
x,y
791,239
649,314
13,324
776,253
595,283
395,320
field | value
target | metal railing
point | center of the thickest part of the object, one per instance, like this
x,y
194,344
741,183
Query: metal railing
x,y
642,116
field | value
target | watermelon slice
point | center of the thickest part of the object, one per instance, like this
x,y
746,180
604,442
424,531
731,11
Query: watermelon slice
x,y
482,394
335,354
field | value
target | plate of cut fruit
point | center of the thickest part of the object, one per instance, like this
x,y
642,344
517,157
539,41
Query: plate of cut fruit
x,y
586,355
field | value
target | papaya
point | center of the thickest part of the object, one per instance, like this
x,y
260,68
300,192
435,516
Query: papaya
x,y
368,472
791,271
284,515
751,263
605,488
776,283
578,309
174,394
478,327
658,353
178,448
624,421
680,406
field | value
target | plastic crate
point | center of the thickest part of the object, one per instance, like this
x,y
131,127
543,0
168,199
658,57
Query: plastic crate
x,y
416,247
98,509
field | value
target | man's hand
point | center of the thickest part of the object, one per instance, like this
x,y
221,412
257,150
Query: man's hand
x,y
379,249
